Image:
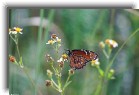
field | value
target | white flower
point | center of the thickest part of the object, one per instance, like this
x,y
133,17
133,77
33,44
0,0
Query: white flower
x,y
58,40
50,42
95,62
60,60
63,58
112,43
15,30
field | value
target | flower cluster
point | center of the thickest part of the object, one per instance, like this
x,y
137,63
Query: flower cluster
x,y
62,59
111,43
49,58
15,30
54,39
106,47
57,68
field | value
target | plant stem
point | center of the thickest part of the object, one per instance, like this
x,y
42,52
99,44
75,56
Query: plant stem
x,y
54,83
12,38
105,54
99,88
18,50
67,79
66,82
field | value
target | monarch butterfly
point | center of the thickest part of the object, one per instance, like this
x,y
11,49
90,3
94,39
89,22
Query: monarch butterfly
x,y
79,57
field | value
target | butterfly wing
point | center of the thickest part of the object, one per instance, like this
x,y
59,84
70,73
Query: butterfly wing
x,y
79,58
77,62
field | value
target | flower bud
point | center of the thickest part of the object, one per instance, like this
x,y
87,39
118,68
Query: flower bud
x,y
12,59
112,71
48,83
49,58
53,36
71,72
49,73
61,64
102,44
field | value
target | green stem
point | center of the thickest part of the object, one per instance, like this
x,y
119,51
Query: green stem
x,y
59,82
66,82
54,83
53,68
12,38
18,50
99,87
55,88
68,79
105,53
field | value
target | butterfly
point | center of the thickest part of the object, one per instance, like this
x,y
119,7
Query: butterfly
x,y
79,57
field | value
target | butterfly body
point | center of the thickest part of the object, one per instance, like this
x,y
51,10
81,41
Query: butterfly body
x,y
79,57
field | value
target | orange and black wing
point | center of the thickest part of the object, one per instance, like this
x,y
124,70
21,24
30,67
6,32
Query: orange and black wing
x,y
79,58
77,62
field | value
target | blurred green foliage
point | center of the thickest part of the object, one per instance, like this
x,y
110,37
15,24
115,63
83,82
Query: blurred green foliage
x,y
78,29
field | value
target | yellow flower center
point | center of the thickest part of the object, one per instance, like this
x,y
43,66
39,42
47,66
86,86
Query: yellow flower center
x,y
51,42
64,56
93,62
18,29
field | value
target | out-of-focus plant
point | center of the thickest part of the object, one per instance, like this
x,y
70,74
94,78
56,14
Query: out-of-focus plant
x,y
107,46
14,35
57,67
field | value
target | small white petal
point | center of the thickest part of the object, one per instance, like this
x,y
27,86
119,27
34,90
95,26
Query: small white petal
x,y
20,32
97,63
14,28
60,60
10,32
14,32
